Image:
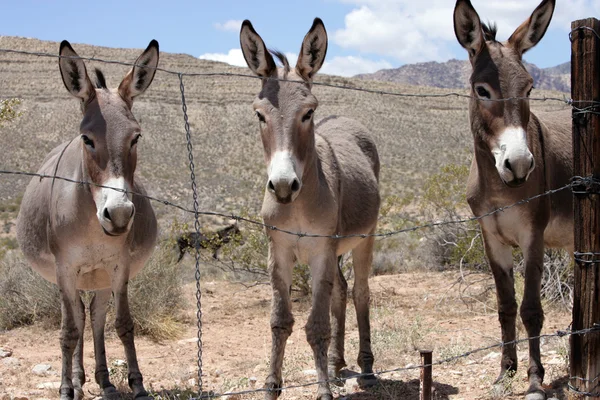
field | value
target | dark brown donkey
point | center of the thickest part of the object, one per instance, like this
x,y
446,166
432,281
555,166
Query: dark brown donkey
x,y
323,179
517,156
87,237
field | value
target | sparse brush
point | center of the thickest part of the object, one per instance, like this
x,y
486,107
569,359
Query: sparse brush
x,y
156,296
26,297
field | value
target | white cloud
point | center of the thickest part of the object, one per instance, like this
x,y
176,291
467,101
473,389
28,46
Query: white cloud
x,y
350,66
413,31
233,25
236,57
233,57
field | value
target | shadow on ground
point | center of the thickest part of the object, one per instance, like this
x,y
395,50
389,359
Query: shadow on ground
x,y
391,389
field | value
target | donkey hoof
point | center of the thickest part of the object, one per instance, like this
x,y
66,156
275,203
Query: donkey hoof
x,y
367,381
537,394
273,391
110,393
67,393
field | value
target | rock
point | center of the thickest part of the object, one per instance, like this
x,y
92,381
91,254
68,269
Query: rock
x,y
252,381
5,353
119,363
218,372
310,372
456,372
491,356
11,362
410,366
49,385
351,385
191,382
41,369
186,341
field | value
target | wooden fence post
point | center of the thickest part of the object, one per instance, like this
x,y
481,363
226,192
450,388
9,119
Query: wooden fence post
x,y
585,86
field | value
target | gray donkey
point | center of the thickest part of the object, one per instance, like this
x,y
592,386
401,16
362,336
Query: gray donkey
x,y
322,179
517,155
87,237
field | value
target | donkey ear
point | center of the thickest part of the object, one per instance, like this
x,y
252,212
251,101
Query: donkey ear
x,y
73,72
255,52
533,29
141,75
467,27
313,50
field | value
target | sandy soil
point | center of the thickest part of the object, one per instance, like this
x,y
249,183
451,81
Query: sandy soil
x,y
409,311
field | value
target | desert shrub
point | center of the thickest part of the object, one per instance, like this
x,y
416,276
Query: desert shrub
x,y
444,199
155,296
8,110
26,297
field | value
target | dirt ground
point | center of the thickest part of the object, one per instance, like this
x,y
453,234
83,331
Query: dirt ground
x,y
408,312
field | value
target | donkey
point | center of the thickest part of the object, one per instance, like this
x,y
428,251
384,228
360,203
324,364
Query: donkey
x,y
212,241
322,179
517,156
87,237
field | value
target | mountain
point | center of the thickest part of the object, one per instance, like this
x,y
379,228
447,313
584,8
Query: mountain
x,y
455,74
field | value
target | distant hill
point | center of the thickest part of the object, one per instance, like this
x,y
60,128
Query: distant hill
x,y
455,74
415,136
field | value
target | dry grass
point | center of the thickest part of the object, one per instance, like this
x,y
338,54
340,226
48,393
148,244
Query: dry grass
x,y
155,296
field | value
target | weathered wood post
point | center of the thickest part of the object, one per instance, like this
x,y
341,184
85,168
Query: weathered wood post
x,y
426,375
585,87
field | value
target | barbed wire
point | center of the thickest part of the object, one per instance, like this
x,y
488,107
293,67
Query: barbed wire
x,y
583,28
576,181
590,392
563,100
558,334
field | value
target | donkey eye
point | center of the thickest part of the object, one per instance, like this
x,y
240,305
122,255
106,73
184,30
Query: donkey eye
x,y
87,141
135,140
261,117
529,92
308,115
483,92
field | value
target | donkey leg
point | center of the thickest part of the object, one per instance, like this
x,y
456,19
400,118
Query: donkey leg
x,y
98,309
501,263
532,313
78,370
318,327
362,256
124,327
338,323
71,326
281,264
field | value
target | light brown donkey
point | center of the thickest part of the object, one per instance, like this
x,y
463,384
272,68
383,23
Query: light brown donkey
x,y
322,179
517,156
85,237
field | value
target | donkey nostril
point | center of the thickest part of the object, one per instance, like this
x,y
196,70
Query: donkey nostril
x,y
295,185
271,186
106,214
507,165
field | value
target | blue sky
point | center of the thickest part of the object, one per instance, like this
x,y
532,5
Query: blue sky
x,y
364,35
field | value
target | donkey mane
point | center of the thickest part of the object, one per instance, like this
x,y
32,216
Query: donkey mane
x,y
489,31
283,60
100,80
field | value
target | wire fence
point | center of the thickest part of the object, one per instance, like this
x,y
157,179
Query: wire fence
x,y
576,184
